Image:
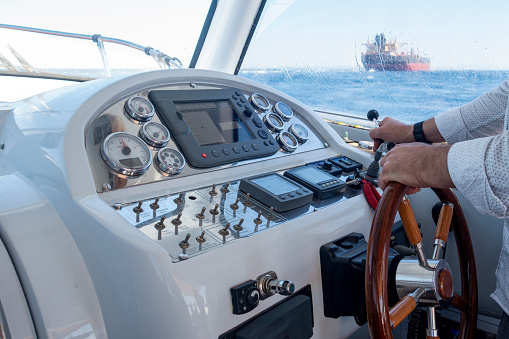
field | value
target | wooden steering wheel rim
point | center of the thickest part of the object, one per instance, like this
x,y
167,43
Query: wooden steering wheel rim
x,y
377,267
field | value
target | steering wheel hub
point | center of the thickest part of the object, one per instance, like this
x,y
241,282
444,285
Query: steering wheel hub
x,y
435,279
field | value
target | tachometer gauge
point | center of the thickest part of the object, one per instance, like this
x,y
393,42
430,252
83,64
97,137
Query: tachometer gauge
x,y
139,108
299,132
155,134
126,154
170,161
283,110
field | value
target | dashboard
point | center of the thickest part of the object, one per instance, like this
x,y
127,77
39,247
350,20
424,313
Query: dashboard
x,y
188,202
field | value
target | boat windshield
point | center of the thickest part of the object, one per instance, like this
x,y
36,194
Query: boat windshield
x,y
406,59
94,39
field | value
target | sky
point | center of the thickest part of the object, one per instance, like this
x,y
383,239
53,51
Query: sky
x,y
456,34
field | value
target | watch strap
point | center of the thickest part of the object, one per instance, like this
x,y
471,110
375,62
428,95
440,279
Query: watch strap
x,y
419,133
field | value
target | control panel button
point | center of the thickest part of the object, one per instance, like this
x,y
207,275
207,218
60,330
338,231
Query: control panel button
x,y
215,153
262,134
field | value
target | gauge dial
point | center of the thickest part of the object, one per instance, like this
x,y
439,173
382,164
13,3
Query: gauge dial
x,y
273,122
139,108
283,110
126,154
260,102
170,161
300,132
155,134
287,141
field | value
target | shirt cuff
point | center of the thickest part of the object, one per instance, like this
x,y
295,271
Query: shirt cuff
x,y
451,126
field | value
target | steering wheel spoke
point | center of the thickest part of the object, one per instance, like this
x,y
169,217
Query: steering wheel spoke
x,y
461,303
404,307
412,230
442,230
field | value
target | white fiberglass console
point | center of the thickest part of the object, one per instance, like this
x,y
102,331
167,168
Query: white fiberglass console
x,y
159,205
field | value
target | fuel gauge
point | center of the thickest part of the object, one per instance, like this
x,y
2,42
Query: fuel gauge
x,y
155,134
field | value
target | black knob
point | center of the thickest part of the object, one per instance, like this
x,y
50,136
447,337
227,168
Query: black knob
x,y
248,111
327,166
253,296
373,114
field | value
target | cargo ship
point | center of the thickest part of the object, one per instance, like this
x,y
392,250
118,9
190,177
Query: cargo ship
x,y
383,55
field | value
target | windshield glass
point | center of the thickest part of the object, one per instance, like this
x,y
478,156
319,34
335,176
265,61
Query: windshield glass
x,y
406,59
171,27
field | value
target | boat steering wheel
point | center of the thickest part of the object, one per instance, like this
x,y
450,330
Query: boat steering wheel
x,y
422,281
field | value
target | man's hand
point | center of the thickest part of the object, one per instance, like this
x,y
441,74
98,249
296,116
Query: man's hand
x,y
416,165
392,130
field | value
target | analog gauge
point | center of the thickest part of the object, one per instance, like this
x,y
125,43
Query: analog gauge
x,y
287,141
155,134
139,108
126,154
260,102
300,132
170,161
273,122
283,110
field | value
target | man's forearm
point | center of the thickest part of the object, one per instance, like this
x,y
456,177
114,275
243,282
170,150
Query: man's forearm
x,y
431,131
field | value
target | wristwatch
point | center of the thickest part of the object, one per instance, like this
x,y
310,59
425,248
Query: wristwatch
x,y
419,133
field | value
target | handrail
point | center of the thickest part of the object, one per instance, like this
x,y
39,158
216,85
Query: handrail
x,y
161,58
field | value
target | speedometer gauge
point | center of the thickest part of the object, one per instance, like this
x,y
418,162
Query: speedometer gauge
x,y
139,108
155,134
126,154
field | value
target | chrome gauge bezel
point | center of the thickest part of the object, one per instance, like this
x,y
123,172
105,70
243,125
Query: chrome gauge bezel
x,y
259,107
279,110
163,167
119,168
301,139
270,125
284,145
149,139
134,114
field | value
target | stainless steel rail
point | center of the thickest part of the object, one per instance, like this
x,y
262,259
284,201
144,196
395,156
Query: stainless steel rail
x,y
161,58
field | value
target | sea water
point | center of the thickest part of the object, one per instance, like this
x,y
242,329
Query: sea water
x,y
406,96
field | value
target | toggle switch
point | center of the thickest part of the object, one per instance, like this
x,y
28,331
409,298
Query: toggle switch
x,y
225,189
160,226
201,238
154,206
215,211
138,210
247,202
213,192
224,231
239,227
201,215
235,206
179,199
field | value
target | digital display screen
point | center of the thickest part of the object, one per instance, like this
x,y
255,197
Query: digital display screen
x,y
275,184
131,162
312,174
213,122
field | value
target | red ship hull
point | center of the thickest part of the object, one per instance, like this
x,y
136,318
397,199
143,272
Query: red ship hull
x,y
411,67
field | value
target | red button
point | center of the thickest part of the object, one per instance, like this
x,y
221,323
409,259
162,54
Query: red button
x,y
204,155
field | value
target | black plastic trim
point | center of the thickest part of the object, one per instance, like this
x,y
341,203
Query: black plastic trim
x,y
203,34
250,36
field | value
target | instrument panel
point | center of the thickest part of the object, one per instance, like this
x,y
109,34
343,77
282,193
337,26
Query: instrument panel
x,y
166,132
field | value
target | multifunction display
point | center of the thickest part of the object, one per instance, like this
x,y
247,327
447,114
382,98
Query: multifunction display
x,y
213,127
213,122
276,191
